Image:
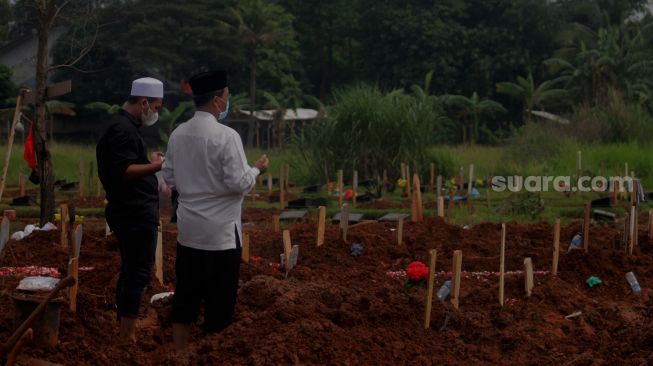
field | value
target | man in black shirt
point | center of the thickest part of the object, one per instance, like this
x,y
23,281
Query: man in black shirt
x,y
132,211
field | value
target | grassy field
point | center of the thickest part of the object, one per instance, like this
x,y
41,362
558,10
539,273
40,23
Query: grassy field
x,y
488,161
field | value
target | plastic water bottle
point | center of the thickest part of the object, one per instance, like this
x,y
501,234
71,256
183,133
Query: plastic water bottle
x,y
576,241
634,285
444,291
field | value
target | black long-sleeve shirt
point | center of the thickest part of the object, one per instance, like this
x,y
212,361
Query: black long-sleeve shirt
x,y
120,146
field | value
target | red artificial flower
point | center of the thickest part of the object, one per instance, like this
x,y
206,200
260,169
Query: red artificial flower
x,y
417,271
349,194
256,259
275,266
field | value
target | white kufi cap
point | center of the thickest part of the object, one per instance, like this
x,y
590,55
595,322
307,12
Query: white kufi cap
x,y
147,87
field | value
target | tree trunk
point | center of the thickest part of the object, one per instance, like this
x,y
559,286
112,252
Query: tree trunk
x,y
43,158
252,99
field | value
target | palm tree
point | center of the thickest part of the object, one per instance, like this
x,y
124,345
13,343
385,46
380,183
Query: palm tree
x,y
530,94
257,24
471,109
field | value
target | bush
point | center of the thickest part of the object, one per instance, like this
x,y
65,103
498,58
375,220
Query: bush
x,y
370,131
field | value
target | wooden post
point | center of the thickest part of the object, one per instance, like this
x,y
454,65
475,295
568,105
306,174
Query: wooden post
x,y
98,187
578,167
634,193
384,182
287,248
650,224
10,142
438,187
636,238
321,222
528,276
269,183
432,180
586,227
73,271
245,252
158,255
21,183
340,188
461,176
556,248
282,188
81,178
417,198
450,207
287,179
457,269
400,231
344,220
626,236
441,206
354,187
64,227
276,223
429,292
260,182
633,233
502,265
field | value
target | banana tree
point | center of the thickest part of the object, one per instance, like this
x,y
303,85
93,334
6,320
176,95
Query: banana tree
x,y
530,94
470,111
171,119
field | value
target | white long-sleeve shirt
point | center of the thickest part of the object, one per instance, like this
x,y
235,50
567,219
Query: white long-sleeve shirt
x,y
206,164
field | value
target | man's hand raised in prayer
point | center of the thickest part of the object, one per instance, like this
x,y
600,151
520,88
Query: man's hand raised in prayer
x,y
262,163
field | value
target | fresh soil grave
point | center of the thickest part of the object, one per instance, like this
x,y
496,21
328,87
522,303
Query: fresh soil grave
x,y
342,310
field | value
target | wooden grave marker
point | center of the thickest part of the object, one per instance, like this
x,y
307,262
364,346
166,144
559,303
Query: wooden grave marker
x,y
400,231
340,188
556,248
269,183
294,256
77,240
502,264
626,236
632,227
354,186
441,206
457,271
287,248
63,222
344,220
158,255
586,227
321,225
276,223
528,276
470,183
650,224
417,200
245,252
73,271
438,188
429,292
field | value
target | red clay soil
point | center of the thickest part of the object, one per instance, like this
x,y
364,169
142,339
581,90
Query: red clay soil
x,y
86,202
336,309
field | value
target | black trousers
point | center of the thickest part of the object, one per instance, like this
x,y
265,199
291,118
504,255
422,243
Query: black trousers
x,y
209,277
137,243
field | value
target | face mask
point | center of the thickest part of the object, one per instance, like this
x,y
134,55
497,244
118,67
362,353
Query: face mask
x,y
224,113
150,117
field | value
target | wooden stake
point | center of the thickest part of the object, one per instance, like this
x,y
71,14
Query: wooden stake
x,y
10,142
419,208
287,247
384,181
260,182
340,188
502,265
438,188
282,188
457,269
158,255
429,292
432,180
321,225
344,220
636,238
450,208
81,178
470,183
633,233
556,248
528,274
21,183
626,236
73,271
634,200
461,176
441,206
276,223
400,231
64,227
354,187
586,227
650,224
245,253
269,183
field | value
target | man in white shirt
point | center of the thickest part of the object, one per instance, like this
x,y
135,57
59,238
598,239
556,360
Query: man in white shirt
x,y
206,164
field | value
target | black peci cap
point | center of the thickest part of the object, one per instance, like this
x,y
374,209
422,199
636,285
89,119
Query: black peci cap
x,y
207,82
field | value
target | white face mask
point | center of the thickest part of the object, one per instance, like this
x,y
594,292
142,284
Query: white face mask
x,y
150,117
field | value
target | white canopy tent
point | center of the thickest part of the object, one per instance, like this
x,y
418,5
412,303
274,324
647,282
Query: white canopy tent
x,y
299,114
